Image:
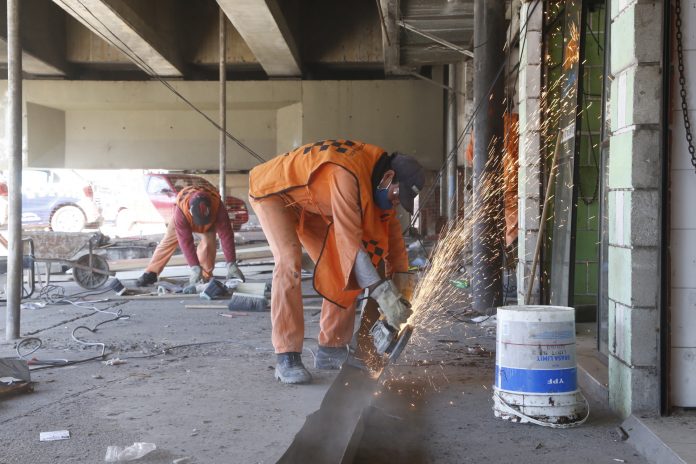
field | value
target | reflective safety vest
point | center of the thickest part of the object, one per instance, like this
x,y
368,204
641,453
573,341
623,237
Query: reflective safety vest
x,y
294,170
183,200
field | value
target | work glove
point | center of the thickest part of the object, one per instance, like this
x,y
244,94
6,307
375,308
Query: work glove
x,y
195,275
406,283
233,272
392,305
190,289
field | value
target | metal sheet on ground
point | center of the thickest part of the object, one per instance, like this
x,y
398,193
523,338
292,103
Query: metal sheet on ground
x,y
331,434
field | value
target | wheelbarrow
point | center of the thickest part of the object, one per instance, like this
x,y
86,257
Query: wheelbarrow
x,y
86,253
79,251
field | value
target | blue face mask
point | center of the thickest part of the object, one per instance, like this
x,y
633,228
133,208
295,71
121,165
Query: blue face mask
x,y
382,199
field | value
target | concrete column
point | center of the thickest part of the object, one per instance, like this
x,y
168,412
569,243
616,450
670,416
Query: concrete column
x,y
530,155
489,22
634,206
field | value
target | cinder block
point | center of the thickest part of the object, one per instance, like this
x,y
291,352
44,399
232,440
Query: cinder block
x,y
619,216
636,336
622,104
531,18
637,35
529,115
644,220
529,83
633,390
647,94
638,91
619,277
634,159
529,147
645,276
531,53
529,181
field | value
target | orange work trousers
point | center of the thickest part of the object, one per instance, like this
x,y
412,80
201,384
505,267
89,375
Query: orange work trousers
x,y
168,245
280,222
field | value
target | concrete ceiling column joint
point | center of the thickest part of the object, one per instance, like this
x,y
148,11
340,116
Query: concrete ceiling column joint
x,y
264,29
436,39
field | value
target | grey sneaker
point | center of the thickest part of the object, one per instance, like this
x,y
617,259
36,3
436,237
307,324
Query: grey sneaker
x,y
290,369
329,357
147,279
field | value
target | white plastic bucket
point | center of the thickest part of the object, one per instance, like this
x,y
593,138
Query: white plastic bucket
x,y
535,366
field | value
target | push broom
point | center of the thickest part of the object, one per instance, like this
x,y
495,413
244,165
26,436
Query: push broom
x,y
249,297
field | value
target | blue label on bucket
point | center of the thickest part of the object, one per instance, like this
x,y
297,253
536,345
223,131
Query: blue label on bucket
x,y
536,380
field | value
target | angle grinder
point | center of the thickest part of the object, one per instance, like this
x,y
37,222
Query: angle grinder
x,y
389,341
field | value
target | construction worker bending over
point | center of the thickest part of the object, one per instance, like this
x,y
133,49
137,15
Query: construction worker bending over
x,y
198,209
335,198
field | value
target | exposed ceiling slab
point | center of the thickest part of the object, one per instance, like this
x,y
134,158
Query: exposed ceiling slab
x,y
263,27
116,23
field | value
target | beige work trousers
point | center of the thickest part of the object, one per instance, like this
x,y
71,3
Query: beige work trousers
x,y
167,246
280,223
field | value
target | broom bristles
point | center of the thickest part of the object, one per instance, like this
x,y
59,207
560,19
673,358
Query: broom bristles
x,y
247,302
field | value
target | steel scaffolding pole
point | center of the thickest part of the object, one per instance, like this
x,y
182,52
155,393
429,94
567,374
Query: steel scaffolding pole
x,y
223,105
14,153
452,197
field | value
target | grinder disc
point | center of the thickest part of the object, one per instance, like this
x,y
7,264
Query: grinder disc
x,y
401,343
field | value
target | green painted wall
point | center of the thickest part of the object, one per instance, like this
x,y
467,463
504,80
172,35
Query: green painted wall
x,y
587,214
587,222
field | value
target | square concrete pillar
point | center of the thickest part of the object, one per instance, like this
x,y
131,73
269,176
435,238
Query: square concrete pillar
x,y
634,207
529,91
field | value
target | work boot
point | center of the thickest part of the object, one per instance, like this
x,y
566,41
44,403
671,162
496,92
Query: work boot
x,y
290,369
329,357
147,279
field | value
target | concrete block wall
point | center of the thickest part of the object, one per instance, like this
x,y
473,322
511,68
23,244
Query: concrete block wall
x,y
634,206
529,91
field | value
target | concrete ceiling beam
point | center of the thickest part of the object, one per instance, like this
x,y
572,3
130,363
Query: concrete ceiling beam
x,y
116,23
264,28
32,64
42,31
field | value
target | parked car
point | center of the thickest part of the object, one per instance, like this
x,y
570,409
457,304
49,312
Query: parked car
x,y
56,199
155,200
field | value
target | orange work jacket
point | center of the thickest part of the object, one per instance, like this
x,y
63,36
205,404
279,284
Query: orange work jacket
x,y
183,200
294,170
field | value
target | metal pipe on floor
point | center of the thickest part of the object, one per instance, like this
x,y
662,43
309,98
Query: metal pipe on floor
x,y
13,132
222,47
489,41
451,143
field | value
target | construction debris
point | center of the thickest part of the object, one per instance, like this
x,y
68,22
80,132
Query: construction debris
x,y
55,435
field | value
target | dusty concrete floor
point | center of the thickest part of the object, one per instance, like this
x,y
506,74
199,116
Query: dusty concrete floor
x,y
218,402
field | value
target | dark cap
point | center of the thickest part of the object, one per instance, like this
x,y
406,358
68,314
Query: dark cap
x,y
200,208
411,177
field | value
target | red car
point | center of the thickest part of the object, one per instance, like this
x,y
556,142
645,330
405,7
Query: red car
x,y
161,190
